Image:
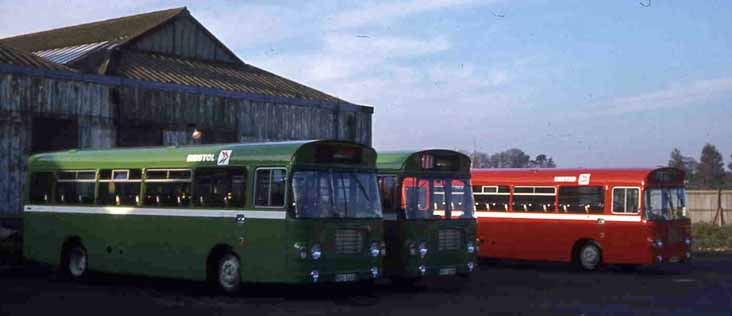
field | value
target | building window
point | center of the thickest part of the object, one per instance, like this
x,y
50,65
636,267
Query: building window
x,y
217,187
167,187
119,187
41,187
270,187
626,200
581,199
491,198
534,199
75,187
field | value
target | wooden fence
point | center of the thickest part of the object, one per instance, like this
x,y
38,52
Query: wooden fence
x,y
702,206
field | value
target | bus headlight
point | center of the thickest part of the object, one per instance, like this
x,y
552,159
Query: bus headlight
x,y
315,252
315,275
422,269
375,251
470,247
658,243
301,251
687,241
422,249
471,266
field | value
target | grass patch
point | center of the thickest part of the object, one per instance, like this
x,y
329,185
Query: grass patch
x,y
708,237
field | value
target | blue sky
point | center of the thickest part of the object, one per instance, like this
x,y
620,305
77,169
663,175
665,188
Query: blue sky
x,y
590,83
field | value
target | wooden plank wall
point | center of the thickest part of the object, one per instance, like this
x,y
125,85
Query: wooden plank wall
x,y
24,97
184,37
253,121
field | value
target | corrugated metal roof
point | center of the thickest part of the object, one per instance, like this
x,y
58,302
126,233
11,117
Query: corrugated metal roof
x,y
231,77
65,55
114,31
16,57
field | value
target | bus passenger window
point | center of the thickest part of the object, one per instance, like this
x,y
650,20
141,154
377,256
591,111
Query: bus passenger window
x,y
218,187
269,190
387,187
40,188
167,188
491,198
534,199
119,187
75,187
582,199
626,200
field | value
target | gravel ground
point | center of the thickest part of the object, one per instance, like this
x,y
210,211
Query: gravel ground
x,y
499,288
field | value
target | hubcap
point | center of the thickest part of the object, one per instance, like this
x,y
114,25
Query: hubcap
x,y
77,262
589,257
229,273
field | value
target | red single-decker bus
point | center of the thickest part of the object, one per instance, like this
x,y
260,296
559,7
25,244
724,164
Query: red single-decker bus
x,y
586,216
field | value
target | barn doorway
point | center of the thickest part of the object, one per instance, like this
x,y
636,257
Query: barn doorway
x,y
52,134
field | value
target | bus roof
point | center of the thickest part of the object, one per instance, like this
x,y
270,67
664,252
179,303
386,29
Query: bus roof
x,y
443,161
188,156
551,177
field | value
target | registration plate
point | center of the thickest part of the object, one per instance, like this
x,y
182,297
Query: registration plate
x,y
673,259
447,271
345,277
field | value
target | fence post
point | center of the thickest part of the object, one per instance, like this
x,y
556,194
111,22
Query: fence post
x,y
720,212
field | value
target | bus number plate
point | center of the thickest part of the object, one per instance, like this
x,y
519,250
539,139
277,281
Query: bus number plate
x,y
447,271
345,277
673,259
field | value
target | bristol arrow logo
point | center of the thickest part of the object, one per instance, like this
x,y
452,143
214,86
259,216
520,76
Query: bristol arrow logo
x,y
224,157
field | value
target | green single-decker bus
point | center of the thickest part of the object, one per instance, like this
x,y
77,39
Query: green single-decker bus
x,y
279,212
429,223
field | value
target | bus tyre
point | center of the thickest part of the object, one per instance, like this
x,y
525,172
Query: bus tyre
x,y
227,276
74,261
589,256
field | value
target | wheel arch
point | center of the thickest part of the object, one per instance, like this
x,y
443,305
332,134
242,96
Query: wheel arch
x,y
214,254
68,242
579,243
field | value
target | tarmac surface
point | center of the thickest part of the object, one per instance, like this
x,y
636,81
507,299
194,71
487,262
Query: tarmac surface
x,y
703,287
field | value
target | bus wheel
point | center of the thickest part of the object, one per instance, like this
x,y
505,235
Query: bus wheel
x,y
227,273
589,256
75,261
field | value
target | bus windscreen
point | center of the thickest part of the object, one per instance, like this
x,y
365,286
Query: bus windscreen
x,y
336,194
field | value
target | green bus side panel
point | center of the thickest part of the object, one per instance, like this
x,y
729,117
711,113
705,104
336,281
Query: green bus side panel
x,y
165,246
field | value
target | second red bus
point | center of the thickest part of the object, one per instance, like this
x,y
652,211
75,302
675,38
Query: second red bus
x,y
587,216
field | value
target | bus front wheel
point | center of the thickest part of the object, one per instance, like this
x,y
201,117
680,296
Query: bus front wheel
x,y
589,256
228,276
74,261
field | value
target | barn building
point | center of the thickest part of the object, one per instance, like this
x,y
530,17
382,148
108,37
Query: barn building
x,y
147,80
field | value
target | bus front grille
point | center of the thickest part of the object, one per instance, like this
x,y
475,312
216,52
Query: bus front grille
x,y
348,241
449,239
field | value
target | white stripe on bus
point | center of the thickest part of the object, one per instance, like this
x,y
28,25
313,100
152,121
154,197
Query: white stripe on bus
x,y
575,217
113,210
